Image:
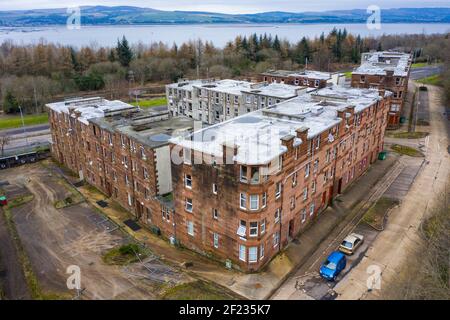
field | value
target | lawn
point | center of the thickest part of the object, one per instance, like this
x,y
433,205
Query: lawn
x,y
375,215
124,255
406,150
348,74
434,80
407,135
149,103
419,65
198,290
10,122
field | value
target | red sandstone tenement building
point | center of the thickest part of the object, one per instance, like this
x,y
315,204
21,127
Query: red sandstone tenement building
x,y
283,166
385,71
307,78
122,151
242,188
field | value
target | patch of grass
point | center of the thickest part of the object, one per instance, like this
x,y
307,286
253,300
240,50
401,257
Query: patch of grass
x,y
375,215
18,201
10,122
419,65
75,198
149,103
197,290
124,255
348,74
407,135
409,151
434,80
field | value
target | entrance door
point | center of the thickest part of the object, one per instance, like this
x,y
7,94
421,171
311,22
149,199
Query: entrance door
x,y
291,229
340,186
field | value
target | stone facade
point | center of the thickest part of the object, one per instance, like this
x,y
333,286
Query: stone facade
x,y
385,71
233,211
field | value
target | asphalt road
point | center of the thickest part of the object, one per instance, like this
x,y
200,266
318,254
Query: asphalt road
x,y
28,129
419,73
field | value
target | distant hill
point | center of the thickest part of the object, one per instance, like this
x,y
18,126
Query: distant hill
x,y
127,15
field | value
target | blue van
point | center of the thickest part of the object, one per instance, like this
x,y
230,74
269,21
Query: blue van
x,y
334,264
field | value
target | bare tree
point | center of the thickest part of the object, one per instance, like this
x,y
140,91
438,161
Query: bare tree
x,y
4,140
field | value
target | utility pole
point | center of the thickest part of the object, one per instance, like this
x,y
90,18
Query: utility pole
x,y
306,63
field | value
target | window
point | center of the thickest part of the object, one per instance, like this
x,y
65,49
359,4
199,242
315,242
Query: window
x,y
188,181
317,142
264,200
243,175
316,83
130,200
187,155
292,202
253,254
303,215
313,187
216,240
145,173
305,193
362,79
127,182
397,81
254,175
261,251
188,204
311,209
190,228
214,188
243,201
253,229
146,193
307,168
262,226
294,179
277,190
316,165
277,215
395,107
254,202
143,156
276,239
215,214
242,253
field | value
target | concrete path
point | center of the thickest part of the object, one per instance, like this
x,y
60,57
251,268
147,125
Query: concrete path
x,y
389,250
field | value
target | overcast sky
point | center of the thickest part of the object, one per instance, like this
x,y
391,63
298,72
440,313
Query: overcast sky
x,y
227,6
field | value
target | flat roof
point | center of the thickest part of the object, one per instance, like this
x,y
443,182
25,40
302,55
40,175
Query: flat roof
x,y
311,74
257,134
153,129
90,108
277,90
378,63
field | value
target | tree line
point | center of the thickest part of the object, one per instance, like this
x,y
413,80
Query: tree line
x,y
31,75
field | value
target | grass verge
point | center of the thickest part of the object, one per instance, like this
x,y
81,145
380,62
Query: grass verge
x,y
75,198
11,122
149,103
374,217
30,277
197,290
348,74
434,80
407,135
124,255
409,151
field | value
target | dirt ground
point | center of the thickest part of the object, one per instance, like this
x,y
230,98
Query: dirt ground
x,y
55,239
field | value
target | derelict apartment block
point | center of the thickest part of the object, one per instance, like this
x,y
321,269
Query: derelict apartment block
x,y
385,70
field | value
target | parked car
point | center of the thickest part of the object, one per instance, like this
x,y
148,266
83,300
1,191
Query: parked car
x,y
351,243
334,264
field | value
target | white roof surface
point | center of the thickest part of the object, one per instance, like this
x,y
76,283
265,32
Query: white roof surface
x,y
89,107
277,90
257,134
377,63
